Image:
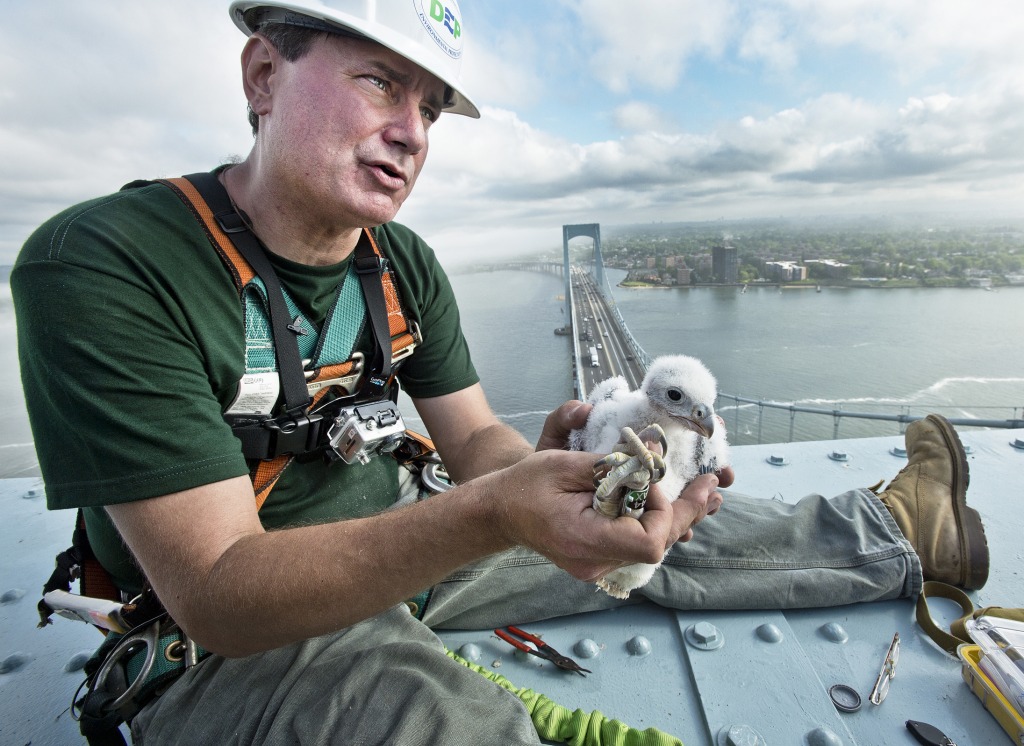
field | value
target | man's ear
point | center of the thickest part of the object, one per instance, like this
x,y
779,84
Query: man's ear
x,y
259,61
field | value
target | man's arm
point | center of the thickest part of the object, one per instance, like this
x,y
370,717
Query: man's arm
x,y
470,439
237,589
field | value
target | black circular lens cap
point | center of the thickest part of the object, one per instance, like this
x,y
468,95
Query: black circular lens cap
x,y
845,698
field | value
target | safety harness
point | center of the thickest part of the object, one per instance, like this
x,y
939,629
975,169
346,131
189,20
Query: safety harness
x,y
303,395
280,345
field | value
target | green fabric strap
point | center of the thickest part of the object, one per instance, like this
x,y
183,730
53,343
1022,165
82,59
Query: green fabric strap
x,y
344,324
958,634
578,728
945,640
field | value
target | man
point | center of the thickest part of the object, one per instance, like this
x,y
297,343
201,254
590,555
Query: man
x,y
132,350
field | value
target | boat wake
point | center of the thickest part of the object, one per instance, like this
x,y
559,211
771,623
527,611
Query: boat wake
x,y
937,389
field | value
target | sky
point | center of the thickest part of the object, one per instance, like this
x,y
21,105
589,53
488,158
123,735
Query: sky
x,y
594,111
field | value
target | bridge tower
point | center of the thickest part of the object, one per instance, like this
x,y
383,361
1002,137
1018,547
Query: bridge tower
x,y
593,230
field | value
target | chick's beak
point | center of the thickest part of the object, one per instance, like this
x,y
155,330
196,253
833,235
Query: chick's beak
x,y
701,425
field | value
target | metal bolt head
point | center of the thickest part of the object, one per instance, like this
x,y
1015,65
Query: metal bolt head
x,y
705,636
741,735
705,632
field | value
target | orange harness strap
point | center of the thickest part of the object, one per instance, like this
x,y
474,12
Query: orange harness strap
x,y
236,264
404,336
94,580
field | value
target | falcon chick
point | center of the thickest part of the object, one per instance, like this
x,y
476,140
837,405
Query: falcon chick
x,y
677,395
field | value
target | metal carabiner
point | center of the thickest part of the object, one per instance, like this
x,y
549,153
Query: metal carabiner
x,y
126,646
434,477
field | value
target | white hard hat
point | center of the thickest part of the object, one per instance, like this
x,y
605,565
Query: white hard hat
x,y
426,32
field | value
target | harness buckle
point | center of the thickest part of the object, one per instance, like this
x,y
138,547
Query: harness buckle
x,y
127,645
417,339
346,382
297,432
372,264
231,222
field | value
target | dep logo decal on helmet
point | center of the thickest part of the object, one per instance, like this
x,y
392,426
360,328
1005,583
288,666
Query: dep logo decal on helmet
x,y
443,21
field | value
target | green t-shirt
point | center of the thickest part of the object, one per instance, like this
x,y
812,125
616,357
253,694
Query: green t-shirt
x,y
131,340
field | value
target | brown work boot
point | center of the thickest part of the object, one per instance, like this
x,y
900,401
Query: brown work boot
x,y
928,500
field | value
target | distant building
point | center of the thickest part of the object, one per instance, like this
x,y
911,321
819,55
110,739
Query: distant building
x,y
725,264
703,267
785,271
682,275
652,262
828,268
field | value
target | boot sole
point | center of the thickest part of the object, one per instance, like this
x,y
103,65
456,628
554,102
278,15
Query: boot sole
x,y
974,545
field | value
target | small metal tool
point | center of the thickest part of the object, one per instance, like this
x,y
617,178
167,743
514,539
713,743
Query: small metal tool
x,y
888,672
929,735
543,650
844,697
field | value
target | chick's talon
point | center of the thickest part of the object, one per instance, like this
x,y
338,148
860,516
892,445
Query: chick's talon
x,y
628,472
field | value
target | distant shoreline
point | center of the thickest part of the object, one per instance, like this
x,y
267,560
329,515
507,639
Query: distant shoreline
x,y
822,286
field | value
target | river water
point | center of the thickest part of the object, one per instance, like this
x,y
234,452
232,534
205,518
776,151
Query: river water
x,y
959,352
956,351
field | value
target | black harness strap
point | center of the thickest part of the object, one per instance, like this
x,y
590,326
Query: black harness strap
x,y
369,269
300,432
286,346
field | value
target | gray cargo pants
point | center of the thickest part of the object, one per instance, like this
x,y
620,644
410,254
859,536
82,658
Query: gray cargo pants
x,y
387,680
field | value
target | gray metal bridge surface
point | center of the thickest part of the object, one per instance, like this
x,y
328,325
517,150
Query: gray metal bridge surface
x,y
766,684
711,678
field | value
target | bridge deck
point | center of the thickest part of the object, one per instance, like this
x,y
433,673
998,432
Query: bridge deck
x,y
597,326
776,689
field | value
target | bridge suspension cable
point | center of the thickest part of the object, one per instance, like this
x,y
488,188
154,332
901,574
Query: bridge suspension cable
x,y
903,417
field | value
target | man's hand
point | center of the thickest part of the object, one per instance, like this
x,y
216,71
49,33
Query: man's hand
x,y
588,545
726,476
570,416
697,501
547,506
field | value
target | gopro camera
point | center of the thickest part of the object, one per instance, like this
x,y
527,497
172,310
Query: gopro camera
x,y
361,432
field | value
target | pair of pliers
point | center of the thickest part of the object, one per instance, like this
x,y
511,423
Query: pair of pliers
x,y
543,650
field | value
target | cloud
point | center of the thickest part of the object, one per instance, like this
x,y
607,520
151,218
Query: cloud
x,y
914,35
834,152
98,95
499,66
594,111
765,38
639,116
647,45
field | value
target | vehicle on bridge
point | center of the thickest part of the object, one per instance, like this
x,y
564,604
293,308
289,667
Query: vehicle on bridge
x,y
593,357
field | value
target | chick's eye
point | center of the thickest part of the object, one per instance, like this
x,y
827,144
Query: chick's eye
x,y
675,394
